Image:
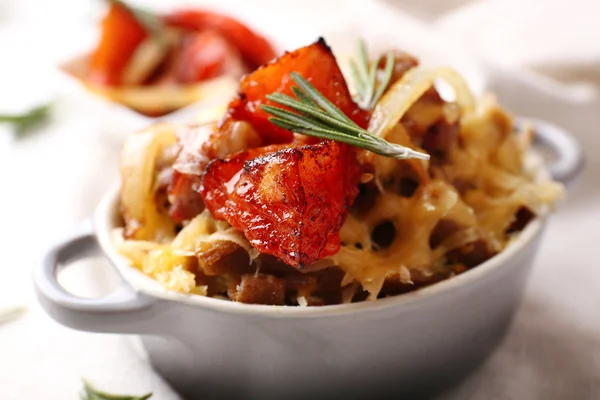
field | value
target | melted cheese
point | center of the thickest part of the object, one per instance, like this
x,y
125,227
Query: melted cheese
x,y
414,219
480,188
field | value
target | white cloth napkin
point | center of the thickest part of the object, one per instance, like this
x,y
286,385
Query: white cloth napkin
x,y
54,179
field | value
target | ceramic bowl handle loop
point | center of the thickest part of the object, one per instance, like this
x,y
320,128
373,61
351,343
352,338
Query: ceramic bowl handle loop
x,y
122,311
568,159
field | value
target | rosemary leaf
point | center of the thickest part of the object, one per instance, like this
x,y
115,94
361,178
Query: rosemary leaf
x,y
370,85
314,112
311,113
292,118
301,96
370,90
363,62
313,94
385,80
23,124
316,131
321,133
89,392
356,77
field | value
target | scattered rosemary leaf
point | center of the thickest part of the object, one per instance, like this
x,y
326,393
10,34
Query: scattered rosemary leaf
x,y
23,124
89,392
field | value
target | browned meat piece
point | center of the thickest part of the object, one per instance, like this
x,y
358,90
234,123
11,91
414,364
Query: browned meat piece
x,y
215,285
187,203
523,217
301,284
259,289
425,112
443,229
329,286
472,254
433,124
320,287
402,63
439,137
394,286
223,257
469,255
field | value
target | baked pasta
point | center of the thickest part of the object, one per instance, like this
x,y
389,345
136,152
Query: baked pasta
x,y
245,210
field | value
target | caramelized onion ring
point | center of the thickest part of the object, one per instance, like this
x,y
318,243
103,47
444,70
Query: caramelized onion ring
x,y
143,221
404,93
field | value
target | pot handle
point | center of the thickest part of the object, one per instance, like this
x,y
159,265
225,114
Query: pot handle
x,y
569,159
122,311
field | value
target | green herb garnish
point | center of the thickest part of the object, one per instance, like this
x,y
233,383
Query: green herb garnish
x,y
312,114
89,392
369,83
24,123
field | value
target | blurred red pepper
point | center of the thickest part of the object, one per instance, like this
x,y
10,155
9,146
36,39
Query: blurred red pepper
x,y
121,35
204,55
254,49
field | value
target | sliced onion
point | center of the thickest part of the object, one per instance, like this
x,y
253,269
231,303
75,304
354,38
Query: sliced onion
x,y
156,99
143,221
404,93
147,57
163,98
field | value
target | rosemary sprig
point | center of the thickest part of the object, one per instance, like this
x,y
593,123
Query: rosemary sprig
x,y
369,83
89,392
148,20
312,114
24,123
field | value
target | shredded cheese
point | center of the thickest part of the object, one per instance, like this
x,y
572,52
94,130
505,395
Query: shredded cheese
x,y
480,188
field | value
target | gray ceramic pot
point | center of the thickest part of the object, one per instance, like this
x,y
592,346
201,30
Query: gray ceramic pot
x,y
407,346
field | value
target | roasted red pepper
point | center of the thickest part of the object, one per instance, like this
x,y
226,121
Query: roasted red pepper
x,y
120,37
315,63
212,45
206,55
289,201
255,49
